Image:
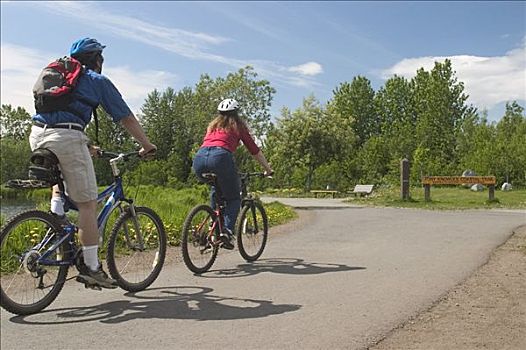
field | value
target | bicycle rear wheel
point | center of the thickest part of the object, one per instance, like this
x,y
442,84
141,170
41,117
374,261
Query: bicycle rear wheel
x,y
26,286
252,231
136,249
199,253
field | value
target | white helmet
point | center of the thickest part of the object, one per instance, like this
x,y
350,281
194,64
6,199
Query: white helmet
x,y
228,105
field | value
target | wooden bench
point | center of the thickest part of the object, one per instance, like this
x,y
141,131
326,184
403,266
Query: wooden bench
x,y
427,181
362,190
331,192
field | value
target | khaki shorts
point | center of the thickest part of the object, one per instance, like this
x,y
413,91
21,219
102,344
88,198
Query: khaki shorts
x,y
76,165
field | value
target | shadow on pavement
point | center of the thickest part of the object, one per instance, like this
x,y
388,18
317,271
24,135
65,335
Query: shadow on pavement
x,y
289,266
184,302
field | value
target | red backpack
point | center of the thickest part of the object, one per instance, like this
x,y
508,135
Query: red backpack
x,y
54,89
55,84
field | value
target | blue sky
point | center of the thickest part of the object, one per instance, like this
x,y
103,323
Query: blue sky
x,y
302,48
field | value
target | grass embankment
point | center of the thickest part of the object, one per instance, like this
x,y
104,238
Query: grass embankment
x,y
444,197
170,204
173,206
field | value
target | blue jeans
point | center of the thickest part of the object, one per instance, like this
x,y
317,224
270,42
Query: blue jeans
x,y
221,162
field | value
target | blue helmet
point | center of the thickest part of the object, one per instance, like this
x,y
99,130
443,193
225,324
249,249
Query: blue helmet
x,y
85,45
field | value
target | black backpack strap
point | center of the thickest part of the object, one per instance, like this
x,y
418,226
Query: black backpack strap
x,y
94,106
96,119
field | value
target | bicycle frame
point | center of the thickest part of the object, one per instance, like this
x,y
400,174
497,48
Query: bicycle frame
x,y
217,224
114,195
247,199
66,234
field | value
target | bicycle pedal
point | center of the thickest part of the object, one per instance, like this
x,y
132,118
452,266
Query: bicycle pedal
x,y
207,250
92,286
88,285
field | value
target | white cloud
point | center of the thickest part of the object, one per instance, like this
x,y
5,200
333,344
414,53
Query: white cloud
x,y
19,70
191,45
309,68
487,80
136,85
21,66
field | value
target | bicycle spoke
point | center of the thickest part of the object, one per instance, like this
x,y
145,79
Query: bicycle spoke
x,y
26,285
252,231
136,249
198,243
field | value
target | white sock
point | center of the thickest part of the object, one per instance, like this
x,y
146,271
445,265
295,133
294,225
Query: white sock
x,y
91,258
57,206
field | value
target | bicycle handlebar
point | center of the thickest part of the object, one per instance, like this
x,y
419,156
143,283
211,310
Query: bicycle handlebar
x,y
118,157
256,174
113,156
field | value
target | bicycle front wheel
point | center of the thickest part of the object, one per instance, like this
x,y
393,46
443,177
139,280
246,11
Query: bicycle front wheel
x,y
136,249
27,286
252,231
199,252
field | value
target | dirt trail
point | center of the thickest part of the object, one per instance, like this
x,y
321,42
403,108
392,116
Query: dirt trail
x,y
487,311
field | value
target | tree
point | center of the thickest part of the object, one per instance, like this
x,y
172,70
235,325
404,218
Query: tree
x,y
475,145
398,118
355,102
439,102
302,139
510,145
15,125
112,136
373,160
15,158
14,122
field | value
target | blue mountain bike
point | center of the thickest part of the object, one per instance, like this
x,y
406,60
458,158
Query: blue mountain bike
x,y
37,249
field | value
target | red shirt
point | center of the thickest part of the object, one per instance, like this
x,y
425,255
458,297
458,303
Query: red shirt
x,y
230,140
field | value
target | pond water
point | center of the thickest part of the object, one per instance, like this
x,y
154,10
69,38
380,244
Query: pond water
x,y
10,207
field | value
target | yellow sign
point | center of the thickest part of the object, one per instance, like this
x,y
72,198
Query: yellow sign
x,y
458,180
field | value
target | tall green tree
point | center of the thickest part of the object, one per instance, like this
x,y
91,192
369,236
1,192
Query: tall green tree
x,y
440,105
510,145
398,117
355,102
476,145
302,139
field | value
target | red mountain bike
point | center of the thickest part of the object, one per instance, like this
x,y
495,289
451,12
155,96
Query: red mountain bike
x,y
203,226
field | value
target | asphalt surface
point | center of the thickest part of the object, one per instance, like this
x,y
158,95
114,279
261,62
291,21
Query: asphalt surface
x,y
340,277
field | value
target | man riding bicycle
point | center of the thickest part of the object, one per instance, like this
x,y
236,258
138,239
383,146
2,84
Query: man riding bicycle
x,y
62,132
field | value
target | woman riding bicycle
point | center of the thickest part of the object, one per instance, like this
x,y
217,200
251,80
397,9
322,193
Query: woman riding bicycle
x,y
216,156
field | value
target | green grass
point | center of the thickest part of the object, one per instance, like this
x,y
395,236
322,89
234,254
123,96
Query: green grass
x,y
444,197
173,206
279,213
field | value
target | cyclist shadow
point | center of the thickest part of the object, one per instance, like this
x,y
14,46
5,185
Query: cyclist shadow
x,y
184,302
289,266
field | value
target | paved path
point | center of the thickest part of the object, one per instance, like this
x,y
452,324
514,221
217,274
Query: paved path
x,y
339,278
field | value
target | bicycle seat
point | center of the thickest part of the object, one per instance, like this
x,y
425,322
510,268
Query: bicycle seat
x,y
211,177
44,166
